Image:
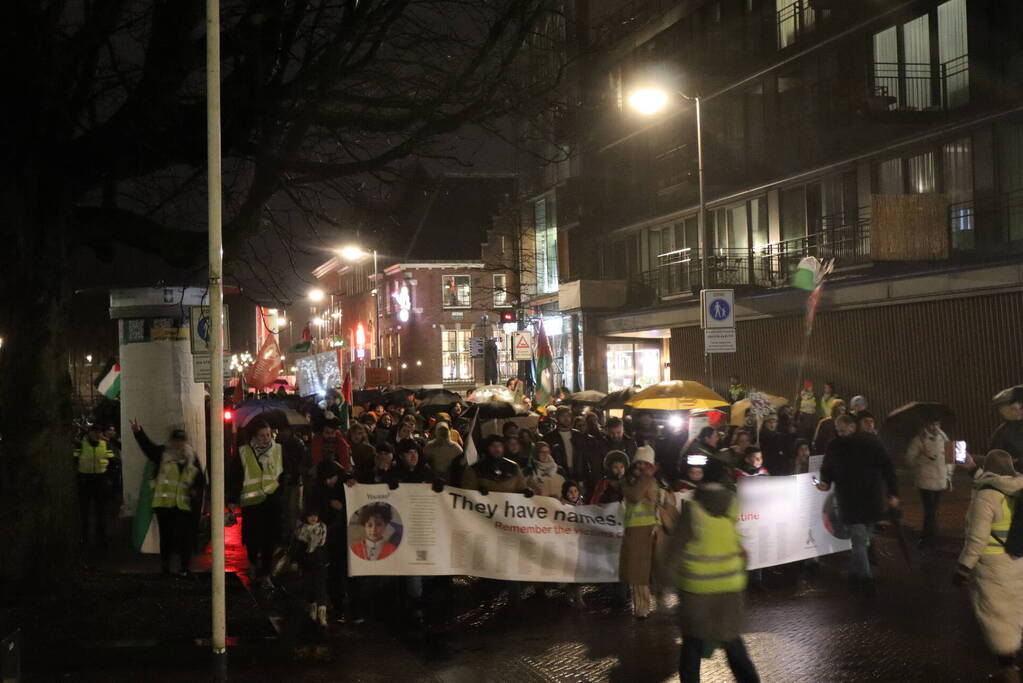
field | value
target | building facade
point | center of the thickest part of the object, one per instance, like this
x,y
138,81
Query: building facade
x,y
887,136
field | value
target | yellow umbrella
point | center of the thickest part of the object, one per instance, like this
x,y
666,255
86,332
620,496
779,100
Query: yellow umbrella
x,y
739,408
676,395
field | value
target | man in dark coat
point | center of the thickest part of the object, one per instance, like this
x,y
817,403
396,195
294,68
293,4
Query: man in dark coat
x,y
617,440
1008,436
574,451
865,488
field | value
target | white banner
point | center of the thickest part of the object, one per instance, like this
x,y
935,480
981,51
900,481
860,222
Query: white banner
x,y
414,530
786,519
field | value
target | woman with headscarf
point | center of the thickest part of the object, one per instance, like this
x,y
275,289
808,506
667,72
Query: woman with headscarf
x,y
543,476
262,466
177,494
995,576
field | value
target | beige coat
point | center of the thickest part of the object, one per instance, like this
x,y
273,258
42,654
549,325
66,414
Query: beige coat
x,y
639,545
997,586
926,454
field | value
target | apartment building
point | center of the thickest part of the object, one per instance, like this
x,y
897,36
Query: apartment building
x,y
885,135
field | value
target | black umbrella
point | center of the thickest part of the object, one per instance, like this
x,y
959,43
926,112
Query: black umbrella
x,y
907,421
279,418
1010,395
590,397
438,401
616,399
398,397
364,396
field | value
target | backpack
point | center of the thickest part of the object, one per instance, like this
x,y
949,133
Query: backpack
x,y
1013,544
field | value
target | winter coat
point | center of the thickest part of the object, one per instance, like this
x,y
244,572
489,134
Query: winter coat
x,y
494,474
586,459
996,589
926,454
1008,437
544,479
863,476
778,458
441,451
824,435
636,563
400,474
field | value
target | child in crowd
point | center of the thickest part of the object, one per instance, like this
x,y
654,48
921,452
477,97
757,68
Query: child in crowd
x,y
609,489
752,464
570,493
309,555
692,479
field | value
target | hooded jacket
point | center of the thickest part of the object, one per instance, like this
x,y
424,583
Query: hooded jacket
x,y
926,453
609,489
441,451
986,509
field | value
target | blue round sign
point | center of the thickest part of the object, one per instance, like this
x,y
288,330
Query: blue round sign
x,y
204,328
719,309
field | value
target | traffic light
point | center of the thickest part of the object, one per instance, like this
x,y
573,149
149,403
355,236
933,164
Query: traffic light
x,y
507,317
228,416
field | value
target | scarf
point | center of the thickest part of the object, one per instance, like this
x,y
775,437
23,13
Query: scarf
x,y
537,472
313,535
179,456
271,468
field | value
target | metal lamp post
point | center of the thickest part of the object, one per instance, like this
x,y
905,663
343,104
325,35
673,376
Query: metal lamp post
x,y
649,101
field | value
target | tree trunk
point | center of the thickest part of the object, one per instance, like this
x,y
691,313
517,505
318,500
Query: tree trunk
x,y
37,480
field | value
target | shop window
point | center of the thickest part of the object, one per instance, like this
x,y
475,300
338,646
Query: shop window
x,y
456,291
455,359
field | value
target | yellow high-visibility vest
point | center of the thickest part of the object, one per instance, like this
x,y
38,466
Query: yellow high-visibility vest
x,y
640,514
712,560
173,486
257,484
93,459
1000,530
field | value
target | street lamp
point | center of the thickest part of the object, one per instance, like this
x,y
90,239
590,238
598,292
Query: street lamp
x,y
651,100
356,253
315,295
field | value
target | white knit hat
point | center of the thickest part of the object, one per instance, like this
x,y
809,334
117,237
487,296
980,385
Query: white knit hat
x,y
644,454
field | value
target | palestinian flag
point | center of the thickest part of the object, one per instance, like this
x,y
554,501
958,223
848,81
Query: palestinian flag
x,y
543,362
110,384
301,347
142,522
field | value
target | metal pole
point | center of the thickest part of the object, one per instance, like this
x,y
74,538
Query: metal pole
x,y
702,222
376,308
216,295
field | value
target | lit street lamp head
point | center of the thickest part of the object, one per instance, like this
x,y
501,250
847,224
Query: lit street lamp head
x,y
315,295
351,253
648,100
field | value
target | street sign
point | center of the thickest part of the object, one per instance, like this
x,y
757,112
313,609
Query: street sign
x,y
201,367
522,345
199,322
476,345
719,340
717,308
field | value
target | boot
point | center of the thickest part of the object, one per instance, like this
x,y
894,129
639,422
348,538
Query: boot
x,y
321,615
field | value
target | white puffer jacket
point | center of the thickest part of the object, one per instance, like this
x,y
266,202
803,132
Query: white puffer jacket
x,y
926,455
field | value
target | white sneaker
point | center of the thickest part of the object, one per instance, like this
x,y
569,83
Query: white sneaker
x,y
321,615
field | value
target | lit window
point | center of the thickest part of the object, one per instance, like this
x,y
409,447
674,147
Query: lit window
x,y
456,291
455,359
500,290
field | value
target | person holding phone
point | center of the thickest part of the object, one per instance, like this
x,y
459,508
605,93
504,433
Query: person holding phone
x,y
926,455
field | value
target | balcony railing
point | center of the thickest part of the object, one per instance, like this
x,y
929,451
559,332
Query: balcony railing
x,y
998,219
796,20
770,265
909,86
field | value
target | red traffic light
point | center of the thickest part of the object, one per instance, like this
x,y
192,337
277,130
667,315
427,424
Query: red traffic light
x,y
228,416
507,317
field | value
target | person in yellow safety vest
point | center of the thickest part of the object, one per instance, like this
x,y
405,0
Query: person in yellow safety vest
x,y
178,487
995,576
710,572
645,501
94,491
262,466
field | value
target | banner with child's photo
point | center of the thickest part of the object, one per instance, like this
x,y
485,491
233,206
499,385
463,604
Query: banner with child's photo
x,y
414,530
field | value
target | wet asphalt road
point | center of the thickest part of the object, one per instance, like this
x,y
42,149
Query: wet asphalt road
x,y
918,628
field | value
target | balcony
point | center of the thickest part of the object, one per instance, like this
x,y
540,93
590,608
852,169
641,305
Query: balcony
x,y
920,87
798,19
987,227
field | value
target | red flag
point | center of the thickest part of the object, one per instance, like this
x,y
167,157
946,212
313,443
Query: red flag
x,y
346,388
267,365
307,334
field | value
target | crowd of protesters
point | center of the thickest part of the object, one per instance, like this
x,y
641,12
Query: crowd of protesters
x,y
291,490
